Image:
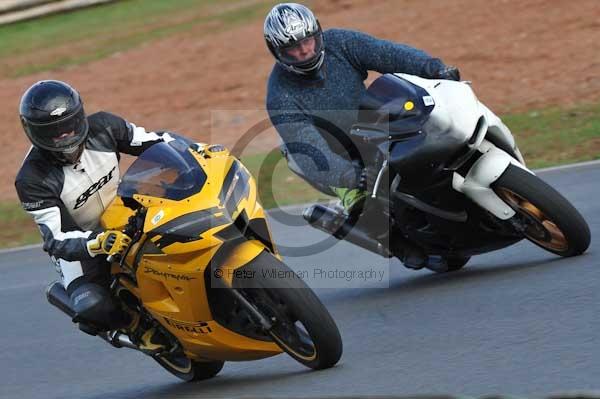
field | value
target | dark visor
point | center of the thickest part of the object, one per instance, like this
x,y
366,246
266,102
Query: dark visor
x,y
59,135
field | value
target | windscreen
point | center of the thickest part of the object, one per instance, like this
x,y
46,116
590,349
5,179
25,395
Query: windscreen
x,y
396,98
165,170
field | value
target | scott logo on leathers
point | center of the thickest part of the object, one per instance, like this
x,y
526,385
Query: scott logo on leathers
x,y
82,199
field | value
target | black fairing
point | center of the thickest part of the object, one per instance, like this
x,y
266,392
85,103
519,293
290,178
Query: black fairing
x,y
418,155
383,105
480,233
420,152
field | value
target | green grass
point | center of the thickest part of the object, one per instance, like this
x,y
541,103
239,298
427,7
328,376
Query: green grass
x,y
277,185
546,137
90,34
555,136
16,227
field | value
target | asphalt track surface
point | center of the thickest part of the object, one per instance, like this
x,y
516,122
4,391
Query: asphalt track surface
x,y
516,321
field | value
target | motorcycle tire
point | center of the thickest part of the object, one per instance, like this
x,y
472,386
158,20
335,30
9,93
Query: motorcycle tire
x,y
302,326
551,221
189,370
456,262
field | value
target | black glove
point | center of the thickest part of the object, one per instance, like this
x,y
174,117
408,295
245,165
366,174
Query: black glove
x,y
436,69
448,72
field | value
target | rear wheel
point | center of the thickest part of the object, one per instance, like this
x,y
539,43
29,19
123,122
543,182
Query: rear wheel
x,y
189,370
549,220
302,326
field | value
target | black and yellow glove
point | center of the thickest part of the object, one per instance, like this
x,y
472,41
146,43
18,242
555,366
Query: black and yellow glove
x,y
110,242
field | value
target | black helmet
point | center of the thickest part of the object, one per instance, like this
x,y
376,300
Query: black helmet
x,y
54,120
287,26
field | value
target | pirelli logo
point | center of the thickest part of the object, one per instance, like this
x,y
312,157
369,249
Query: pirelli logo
x,y
200,327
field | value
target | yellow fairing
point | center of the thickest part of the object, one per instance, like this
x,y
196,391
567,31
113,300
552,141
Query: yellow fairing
x,y
172,273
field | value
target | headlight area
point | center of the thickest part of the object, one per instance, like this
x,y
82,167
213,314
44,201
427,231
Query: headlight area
x,y
236,186
188,227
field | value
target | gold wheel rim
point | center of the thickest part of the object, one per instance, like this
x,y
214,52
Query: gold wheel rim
x,y
290,350
183,370
558,242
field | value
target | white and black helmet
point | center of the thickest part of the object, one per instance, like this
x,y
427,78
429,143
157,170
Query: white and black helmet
x,y
288,25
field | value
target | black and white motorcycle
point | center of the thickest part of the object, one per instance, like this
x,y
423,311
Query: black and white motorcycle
x,y
451,180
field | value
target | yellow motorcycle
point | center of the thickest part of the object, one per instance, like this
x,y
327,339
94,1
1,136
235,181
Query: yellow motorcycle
x,y
203,269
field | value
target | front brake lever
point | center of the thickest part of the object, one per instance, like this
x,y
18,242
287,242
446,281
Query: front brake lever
x,y
136,237
133,224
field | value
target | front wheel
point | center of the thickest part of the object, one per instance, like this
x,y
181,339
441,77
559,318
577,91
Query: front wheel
x,y
302,326
189,370
549,220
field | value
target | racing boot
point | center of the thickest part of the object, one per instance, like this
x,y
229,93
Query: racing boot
x,y
94,308
351,200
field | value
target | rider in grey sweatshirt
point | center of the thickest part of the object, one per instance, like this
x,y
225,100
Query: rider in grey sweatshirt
x,y
313,97
313,110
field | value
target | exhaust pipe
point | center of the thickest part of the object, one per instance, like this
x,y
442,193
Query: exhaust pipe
x,y
57,296
338,225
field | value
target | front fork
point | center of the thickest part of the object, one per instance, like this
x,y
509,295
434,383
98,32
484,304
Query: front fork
x,y
476,185
239,255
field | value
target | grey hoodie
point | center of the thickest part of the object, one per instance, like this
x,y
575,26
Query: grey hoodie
x,y
313,115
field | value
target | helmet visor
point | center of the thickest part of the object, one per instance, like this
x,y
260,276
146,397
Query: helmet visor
x,y
303,52
63,135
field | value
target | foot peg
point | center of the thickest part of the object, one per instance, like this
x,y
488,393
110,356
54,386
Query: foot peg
x,y
118,339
